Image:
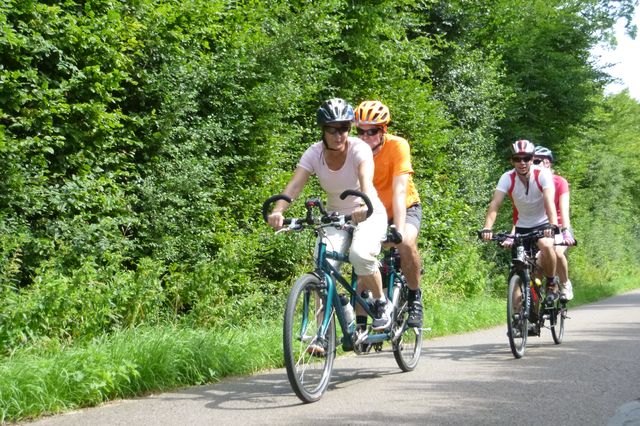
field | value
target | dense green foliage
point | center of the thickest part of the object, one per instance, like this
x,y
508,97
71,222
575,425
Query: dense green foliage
x,y
138,140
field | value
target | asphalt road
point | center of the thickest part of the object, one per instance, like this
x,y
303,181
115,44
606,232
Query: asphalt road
x,y
592,378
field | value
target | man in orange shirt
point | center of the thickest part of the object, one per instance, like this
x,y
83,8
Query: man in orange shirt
x,y
393,180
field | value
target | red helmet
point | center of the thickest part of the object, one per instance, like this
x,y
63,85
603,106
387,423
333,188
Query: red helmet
x,y
522,146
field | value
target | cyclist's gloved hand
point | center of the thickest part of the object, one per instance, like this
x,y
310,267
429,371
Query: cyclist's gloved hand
x,y
507,243
567,237
486,234
396,236
551,230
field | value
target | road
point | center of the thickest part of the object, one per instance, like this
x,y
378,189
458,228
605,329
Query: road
x,y
467,379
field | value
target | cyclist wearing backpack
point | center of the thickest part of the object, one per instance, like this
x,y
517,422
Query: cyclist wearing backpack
x,y
544,157
532,191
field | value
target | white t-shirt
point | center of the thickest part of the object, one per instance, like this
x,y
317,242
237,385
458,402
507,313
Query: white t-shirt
x,y
335,182
528,202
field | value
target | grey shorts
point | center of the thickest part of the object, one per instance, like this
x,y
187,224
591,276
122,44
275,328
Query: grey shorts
x,y
414,215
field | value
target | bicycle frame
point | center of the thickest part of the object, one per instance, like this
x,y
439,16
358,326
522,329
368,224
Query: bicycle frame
x,y
314,298
330,276
523,263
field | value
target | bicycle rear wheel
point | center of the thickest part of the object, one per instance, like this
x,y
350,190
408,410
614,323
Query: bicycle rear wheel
x,y
308,358
557,322
516,321
407,347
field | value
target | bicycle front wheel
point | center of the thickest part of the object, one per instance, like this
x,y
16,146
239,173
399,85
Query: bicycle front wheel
x,y
516,320
407,347
308,356
557,322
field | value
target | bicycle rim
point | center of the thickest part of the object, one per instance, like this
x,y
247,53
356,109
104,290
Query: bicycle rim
x,y
557,327
308,368
516,320
408,347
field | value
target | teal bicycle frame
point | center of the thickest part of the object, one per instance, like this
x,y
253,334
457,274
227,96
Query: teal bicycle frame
x,y
331,277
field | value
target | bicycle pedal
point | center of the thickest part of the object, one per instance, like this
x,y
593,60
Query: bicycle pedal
x,y
361,337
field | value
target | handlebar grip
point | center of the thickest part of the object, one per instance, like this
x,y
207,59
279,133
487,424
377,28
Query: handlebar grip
x,y
354,193
271,200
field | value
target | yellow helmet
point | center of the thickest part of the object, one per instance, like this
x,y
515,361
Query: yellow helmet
x,y
372,112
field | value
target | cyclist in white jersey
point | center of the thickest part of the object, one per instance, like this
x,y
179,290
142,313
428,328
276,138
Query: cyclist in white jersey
x,y
532,192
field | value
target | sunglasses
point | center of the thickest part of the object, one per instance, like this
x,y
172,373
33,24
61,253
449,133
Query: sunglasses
x,y
368,132
537,161
334,130
518,159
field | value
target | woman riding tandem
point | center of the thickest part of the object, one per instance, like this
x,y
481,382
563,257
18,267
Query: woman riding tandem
x,y
341,162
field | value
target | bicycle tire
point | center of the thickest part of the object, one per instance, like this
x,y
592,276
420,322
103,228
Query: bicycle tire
x,y
517,323
557,322
408,346
308,371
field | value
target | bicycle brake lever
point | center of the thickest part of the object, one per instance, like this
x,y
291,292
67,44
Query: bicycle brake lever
x,y
293,226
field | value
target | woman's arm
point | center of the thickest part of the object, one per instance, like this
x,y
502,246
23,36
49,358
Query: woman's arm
x,y
292,190
365,177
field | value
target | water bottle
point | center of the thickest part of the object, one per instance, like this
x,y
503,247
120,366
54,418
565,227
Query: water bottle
x,y
349,314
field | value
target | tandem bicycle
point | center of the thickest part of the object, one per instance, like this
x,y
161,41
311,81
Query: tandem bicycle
x,y
325,296
528,307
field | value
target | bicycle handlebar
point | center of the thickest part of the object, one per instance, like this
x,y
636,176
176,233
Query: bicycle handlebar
x,y
316,202
355,193
533,235
271,200
502,236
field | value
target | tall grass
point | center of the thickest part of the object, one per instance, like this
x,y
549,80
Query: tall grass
x,y
129,363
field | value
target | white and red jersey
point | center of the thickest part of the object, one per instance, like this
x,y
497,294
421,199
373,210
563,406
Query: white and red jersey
x,y
528,203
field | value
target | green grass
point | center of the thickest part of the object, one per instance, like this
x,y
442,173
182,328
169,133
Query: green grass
x,y
133,362
34,382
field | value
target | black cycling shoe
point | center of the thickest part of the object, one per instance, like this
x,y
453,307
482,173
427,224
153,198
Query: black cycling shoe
x,y
415,314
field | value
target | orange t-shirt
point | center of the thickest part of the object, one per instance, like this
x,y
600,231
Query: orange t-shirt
x,y
393,159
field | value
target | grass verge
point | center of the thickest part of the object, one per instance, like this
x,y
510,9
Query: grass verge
x,y
139,361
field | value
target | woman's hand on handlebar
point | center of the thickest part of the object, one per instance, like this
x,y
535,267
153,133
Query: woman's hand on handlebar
x,y
275,220
359,214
